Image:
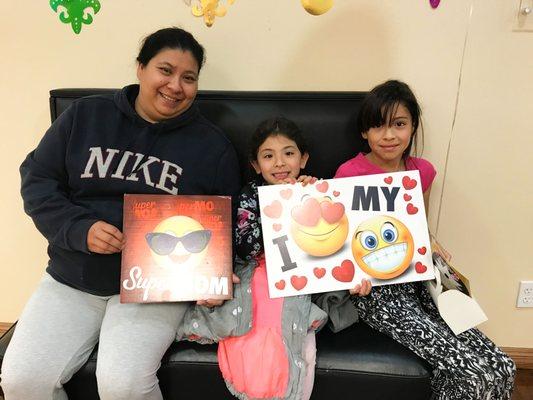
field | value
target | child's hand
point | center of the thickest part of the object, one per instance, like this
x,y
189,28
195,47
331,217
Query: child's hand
x,y
210,303
362,289
214,302
305,179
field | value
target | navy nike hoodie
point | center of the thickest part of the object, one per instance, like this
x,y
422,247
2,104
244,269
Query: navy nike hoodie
x,y
96,151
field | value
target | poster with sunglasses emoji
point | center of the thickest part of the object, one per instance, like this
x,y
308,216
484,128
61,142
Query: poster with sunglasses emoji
x,y
331,234
178,248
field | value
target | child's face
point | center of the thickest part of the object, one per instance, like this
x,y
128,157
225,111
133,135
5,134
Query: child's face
x,y
279,158
389,141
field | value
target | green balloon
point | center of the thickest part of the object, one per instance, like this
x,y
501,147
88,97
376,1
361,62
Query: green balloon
x,y
74,12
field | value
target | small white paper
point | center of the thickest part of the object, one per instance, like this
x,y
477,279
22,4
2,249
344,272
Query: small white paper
x,y
460,312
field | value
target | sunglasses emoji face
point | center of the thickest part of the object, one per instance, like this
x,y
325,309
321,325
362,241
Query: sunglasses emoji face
x,y
383,247
179,241
319,226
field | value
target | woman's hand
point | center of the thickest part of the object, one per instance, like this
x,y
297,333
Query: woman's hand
x,y
104,238
214,302
362,289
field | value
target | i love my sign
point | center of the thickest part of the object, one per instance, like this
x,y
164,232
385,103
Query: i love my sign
x,y
329,235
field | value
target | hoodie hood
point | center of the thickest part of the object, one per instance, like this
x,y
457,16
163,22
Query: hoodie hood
x,y
125,101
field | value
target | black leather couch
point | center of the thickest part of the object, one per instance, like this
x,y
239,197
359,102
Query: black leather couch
x,y
358,362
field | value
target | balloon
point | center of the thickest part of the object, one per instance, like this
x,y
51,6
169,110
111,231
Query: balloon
x,y
317,7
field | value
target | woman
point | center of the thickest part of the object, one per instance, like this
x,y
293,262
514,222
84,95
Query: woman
x,y
147,138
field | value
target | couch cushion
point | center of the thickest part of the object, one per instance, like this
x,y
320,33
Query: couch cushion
x,y
358,360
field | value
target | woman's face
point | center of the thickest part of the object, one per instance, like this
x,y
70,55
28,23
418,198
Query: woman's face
x,y
168,85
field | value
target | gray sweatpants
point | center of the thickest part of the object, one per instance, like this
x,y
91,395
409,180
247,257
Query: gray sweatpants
x,y
58,330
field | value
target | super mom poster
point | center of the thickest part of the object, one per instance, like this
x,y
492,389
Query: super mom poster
x,y
178,248
329,235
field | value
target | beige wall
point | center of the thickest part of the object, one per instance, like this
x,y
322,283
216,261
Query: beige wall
x,y
276,45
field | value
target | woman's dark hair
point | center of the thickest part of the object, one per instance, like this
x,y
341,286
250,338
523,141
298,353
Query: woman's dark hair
x,y
273,127
170,38
379,106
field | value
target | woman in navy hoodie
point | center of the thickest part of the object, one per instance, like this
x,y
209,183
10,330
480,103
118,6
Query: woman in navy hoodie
x,y
147,138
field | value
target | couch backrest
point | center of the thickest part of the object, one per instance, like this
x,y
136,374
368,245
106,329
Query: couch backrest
x,y
327,119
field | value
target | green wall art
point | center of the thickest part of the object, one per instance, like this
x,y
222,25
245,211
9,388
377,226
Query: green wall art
x,y
75,12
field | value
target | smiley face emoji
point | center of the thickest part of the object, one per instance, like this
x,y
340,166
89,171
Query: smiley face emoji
x,y
178,241
319,226
383,247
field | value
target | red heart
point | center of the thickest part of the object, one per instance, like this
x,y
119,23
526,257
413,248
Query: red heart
x,y
286,193
308,214
411,209
298,282
422,250
273,210
408,183
345,272
322,187
280,285
332,212
336,193
420,268
319,272
406,197
388,180
277,227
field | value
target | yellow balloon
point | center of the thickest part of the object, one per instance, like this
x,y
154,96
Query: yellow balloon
x,y
317,7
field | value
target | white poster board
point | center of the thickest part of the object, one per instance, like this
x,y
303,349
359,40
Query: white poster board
x,y
329,235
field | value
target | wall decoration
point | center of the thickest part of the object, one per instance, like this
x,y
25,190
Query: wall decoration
x,y
317,7
209,9
434,3
75,12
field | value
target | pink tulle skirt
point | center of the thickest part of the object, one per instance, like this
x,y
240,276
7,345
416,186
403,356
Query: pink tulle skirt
x,y
256,364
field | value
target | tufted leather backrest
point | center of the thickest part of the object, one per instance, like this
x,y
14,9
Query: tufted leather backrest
x,y
327,120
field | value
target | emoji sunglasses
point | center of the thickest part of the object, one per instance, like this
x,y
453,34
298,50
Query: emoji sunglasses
x,y
165,243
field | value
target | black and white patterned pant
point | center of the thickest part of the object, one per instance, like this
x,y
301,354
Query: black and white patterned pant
x,y
467,366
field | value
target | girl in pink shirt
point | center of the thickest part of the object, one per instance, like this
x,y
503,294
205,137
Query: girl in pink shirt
x,y
465,366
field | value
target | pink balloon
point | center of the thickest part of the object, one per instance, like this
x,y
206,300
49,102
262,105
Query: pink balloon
x,y
434,3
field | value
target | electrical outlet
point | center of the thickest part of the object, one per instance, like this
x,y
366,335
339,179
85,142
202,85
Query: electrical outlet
x,y
525,294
